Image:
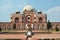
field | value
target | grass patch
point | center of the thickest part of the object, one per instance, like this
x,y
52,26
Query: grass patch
x,y
7,31
52,31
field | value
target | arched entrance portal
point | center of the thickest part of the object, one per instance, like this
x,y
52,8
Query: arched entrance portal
x,y
16,19
40,19
14,26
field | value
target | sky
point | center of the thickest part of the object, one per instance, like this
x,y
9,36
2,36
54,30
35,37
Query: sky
x,y
49,7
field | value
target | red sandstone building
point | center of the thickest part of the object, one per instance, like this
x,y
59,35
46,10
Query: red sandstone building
x,y
21,20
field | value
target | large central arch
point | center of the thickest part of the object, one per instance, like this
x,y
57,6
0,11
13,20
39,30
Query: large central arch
x,y
16,19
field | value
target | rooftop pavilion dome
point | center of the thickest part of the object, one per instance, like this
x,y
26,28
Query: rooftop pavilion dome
x,y
29,8
17,12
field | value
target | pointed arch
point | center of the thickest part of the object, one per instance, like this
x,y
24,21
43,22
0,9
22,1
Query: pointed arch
x,y
16,19
40,19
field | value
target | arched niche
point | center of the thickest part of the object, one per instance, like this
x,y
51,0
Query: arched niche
x,y
16,19
40,19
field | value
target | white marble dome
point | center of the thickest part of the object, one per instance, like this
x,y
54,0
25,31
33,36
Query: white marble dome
x,y
28,8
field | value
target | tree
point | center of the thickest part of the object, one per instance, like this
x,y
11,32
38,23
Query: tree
x,y
57,28
49,26
0,29
14,26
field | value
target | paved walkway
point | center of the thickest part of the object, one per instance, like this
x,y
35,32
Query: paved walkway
x,y
46,36
12,36
23,36
34,37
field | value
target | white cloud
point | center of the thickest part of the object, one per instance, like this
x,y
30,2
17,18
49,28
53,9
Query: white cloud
x,y
54,10
53,14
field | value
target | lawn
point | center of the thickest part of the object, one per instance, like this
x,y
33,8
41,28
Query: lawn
x,y
52,31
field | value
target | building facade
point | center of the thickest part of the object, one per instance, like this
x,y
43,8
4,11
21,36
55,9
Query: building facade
x,y
21,20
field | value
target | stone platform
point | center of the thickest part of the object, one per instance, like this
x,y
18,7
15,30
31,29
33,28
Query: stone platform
x,y
20,35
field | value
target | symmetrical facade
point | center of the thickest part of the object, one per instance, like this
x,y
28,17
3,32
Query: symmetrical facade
x,y
21,20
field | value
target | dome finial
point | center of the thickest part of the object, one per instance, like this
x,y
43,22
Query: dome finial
x,y
28,2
